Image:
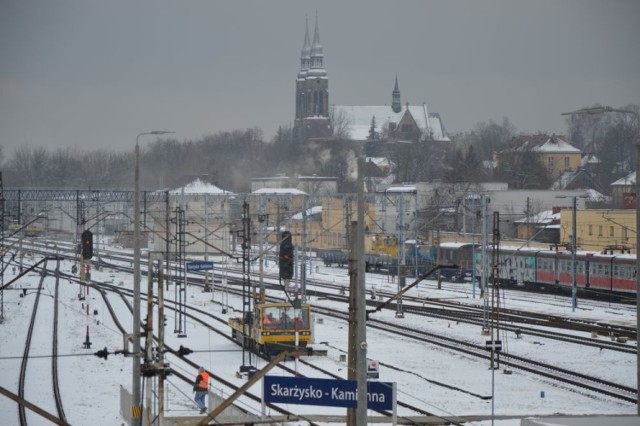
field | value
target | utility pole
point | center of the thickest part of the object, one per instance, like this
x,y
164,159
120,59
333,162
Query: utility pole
x,y
483,291
357,364
135,388
206,243
303,246
247,360
574,290
399,312
361,328
262,218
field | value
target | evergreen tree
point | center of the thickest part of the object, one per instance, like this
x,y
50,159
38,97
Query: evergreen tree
x,y
373,134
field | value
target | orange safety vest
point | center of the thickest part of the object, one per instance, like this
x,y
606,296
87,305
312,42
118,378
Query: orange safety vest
x,y
204,383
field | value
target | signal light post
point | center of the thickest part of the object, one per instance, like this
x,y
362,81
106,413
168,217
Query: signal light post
x,y
87,245
286,258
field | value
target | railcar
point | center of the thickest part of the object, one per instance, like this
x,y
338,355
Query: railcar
x,y
271,327
459,254
416,256
541,269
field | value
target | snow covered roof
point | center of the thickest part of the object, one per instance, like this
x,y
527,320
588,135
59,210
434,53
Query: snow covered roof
x,y
595,196
404,188
315,210
628,180
293,191
541,143
589,159
546,216
359,119
383,163
199,187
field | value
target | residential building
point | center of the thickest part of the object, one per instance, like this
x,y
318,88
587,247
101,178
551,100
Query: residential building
x,y
554,152
600,230
623,192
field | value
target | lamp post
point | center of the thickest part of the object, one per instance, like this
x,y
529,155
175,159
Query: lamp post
x,y
135,388
602,110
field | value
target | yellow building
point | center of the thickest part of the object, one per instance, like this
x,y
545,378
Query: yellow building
x,y
554,152
597,230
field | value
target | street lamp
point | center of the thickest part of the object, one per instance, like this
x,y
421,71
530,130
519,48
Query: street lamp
x,y
602,110
135,388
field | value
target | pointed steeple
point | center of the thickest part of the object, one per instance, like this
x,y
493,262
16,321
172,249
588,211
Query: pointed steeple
x,y
317,56
396,106
305,54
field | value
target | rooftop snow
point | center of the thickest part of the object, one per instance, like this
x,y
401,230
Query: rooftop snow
x,y
359,119
199,187
293,191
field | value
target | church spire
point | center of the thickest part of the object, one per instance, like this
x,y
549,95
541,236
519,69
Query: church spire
x,y
317,56
305,54
396,106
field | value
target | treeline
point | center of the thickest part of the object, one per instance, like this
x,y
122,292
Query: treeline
x,y
231,159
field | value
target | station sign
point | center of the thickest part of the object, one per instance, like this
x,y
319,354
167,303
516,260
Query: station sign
x,y
327,392
199,266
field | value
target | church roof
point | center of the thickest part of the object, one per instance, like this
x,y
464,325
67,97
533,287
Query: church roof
x,y
359,119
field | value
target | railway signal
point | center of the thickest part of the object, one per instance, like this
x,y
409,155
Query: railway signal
x,y
87,244
285,256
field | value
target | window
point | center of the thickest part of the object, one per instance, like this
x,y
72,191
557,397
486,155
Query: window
x,y
611,232
599,230
590,229
551,161
567,163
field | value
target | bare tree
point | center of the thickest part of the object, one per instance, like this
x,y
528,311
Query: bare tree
x,y
341,124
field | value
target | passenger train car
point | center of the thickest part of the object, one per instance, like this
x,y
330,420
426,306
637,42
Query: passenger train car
x,y
534,268
459,254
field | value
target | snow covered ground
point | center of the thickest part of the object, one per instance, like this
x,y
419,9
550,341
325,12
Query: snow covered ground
x,y
91,386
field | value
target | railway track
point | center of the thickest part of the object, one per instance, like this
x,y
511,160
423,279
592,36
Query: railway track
x,y
519,320
25,357
196,315
54,344
573,379
126,294
23,419
565,376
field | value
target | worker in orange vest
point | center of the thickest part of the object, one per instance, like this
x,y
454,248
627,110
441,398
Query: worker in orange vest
x,y
201,387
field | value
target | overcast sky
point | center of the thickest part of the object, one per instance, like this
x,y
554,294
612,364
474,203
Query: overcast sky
x,y
94,74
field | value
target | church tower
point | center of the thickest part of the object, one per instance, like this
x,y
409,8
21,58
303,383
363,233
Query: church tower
x,y
312,91
396,106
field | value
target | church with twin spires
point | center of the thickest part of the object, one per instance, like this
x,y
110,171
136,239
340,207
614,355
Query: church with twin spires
x,y
314,114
